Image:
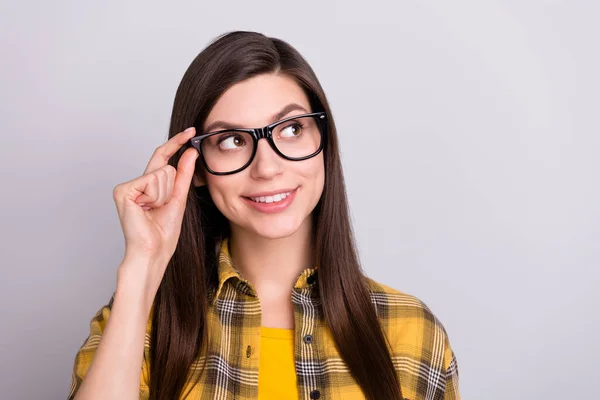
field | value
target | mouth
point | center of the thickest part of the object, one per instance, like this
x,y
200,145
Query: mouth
x,y
271,199
274,201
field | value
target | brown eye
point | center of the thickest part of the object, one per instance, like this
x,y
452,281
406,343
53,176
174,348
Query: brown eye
x,y
231,142
291,131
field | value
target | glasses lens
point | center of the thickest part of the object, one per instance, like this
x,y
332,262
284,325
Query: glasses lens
x,y
227,151
297,138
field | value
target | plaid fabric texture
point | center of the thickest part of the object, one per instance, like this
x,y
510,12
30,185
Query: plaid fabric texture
x,y
420,348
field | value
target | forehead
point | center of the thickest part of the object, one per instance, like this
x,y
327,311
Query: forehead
x,y
254,101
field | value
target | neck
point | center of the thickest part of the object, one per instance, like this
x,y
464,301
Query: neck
x,y
272,265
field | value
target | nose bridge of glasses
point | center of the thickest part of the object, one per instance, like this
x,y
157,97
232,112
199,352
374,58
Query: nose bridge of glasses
x,y
261,133
266,157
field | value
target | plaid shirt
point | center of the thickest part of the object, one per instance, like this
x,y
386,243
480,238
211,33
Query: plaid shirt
x,y
420,348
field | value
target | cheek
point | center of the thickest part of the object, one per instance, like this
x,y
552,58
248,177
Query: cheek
x,y
314,175
222,190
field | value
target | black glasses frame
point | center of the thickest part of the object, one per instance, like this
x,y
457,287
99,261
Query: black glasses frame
x,y
263,133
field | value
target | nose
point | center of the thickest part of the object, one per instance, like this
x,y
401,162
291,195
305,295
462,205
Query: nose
x,y
266,164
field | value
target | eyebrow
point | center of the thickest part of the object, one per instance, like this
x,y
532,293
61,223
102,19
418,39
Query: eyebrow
x,y
276,117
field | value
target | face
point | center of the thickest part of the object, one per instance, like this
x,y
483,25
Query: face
x,y
253,103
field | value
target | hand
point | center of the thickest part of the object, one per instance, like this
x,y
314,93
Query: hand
x,y
151,207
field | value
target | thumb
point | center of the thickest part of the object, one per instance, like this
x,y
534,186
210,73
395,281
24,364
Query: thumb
x,y
183,178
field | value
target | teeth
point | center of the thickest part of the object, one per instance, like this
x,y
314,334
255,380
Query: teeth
x,y
271,199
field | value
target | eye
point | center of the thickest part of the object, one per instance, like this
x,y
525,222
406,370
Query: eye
x,y
231,142
291,130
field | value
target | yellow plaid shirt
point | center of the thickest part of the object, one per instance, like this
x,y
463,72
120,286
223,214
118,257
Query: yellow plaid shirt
x,y
420,348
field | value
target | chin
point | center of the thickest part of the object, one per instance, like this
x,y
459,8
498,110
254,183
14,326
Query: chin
x,y
276,227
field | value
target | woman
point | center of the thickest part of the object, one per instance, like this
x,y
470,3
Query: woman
x,y
249,286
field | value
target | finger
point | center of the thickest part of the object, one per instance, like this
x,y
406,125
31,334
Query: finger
x,y
162,187
171,173
145,190
163,153
183,178
165,177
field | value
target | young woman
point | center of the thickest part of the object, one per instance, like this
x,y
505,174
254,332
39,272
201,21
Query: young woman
x,y
249,285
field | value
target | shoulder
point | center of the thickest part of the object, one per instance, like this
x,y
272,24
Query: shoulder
x,y
410,325
100,319
87,351
390,302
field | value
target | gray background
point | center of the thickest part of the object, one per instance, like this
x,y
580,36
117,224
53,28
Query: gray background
x,y
469,133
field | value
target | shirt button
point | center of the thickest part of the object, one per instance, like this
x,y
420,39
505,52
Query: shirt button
x,y
315,394
308,339
311,278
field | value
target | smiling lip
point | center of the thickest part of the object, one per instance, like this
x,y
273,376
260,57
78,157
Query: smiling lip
x,y
272,192
274,207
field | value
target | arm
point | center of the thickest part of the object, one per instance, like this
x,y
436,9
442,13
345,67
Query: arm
x,y
451,366
151,209
109,363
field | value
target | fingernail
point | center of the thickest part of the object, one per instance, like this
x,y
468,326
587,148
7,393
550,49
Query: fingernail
x,y
188,130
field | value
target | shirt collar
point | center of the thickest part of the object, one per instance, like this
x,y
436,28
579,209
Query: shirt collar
x,y
226,271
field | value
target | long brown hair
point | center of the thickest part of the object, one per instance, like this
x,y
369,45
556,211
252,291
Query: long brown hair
x,y
179,331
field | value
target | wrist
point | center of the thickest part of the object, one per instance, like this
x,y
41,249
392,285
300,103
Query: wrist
x,y
136,284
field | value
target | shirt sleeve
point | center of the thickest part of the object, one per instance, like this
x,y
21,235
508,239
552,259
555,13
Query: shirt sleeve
x,y
451,367
85,354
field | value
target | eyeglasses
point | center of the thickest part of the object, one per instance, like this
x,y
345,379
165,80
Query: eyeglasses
x,y
296,138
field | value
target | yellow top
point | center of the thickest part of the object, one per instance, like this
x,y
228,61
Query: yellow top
x,y
276,371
